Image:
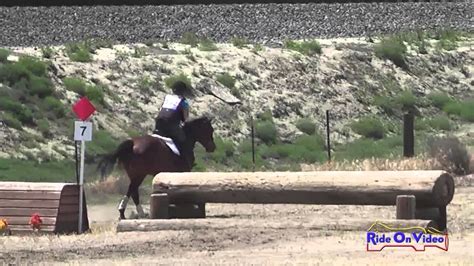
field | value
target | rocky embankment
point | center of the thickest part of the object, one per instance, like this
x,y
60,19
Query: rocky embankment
x,y
265,23
344,78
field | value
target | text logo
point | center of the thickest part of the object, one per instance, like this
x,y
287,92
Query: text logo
x,y
380,236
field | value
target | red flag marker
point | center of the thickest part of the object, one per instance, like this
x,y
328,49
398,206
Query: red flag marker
x,y
83,108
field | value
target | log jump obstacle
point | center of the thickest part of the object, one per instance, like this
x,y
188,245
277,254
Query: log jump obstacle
x,y
56,203
184,195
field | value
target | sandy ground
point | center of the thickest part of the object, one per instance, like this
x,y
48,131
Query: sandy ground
x,y
243,247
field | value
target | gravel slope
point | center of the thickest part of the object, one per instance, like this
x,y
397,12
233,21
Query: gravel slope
x,y
271,23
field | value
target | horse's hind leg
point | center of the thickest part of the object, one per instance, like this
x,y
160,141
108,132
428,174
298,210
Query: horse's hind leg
x,y
136,197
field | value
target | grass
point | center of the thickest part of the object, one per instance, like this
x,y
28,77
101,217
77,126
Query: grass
x,y
239,42
169,81
31,171
4,53
440,99
76,85
266,131
369,127
306,125
440,123
207,45
190,38
226,79
462,109
79,52
305,47
392,49
365,148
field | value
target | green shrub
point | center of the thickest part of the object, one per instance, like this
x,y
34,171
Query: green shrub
x,y
139,52
439,99
169,81
44,127
447,39
54,105
239,42
265,116
102,143
8,104
306,125
421,124
76,85
11,121
386,103
4,53
440,122
257,48
79,52
13,73
368,148
95,93
41,86
20,112
34,65
47,52
313,142
266,131
190,38
207,45
406,100
224,151
392,49
306,47
467,111
226,80
453,108
369,127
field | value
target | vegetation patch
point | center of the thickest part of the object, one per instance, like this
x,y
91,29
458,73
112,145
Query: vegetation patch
x,y
305,47
25,170
440,122
369,127
207,45
239,42
190,38
306,125
226,79
392,49
169,81
4,53
79,52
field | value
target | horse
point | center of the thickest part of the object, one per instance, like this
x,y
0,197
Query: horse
x,y
148,155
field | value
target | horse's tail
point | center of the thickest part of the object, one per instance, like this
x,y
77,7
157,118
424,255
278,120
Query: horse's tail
x,y
106,164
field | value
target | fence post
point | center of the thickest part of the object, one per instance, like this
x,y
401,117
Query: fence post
x,y
327,135
253,141
408,135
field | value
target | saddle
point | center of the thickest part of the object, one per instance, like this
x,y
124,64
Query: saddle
x,y
169,142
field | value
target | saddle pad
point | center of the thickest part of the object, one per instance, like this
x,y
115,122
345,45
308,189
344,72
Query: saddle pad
x,y
169,142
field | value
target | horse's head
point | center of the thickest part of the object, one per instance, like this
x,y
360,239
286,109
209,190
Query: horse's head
x,y
200,129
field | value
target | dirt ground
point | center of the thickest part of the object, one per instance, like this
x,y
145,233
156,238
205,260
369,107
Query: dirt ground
x,y
256,246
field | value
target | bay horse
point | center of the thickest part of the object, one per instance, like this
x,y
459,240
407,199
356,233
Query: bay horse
x,y
147,155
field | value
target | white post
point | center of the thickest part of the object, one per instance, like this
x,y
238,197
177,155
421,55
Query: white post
x,y
81,183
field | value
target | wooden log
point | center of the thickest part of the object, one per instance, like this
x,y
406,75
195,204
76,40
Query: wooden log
x,y
146,225
431,188
406,205
159,206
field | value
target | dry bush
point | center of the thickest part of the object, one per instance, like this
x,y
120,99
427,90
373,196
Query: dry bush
x,y
417,163
111,185
451,154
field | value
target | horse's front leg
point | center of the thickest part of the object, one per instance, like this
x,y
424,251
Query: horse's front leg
x,y
123,205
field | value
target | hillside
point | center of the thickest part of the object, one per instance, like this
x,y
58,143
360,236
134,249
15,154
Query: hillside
x,y
367,84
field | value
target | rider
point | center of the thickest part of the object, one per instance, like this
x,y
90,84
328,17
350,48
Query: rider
x,y
174,112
